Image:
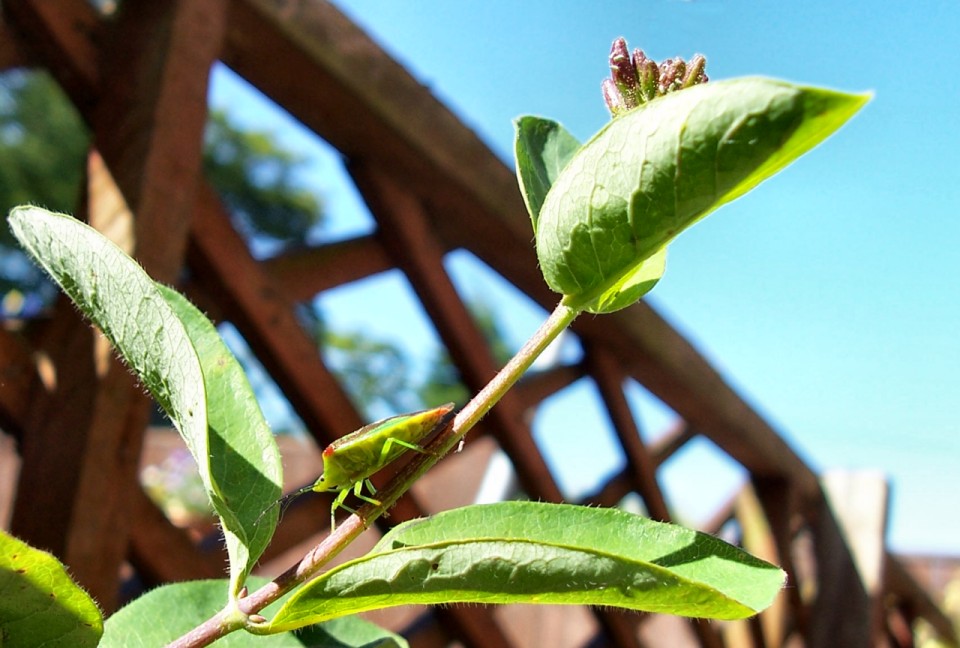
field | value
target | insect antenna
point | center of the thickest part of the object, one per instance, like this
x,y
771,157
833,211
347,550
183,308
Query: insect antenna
x,y
284,502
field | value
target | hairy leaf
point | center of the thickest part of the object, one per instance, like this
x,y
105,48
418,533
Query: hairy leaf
x,y
244,460
40,605
530,552
542,148
237,458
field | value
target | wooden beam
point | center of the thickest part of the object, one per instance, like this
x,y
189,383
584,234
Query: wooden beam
x,y
50,445
158,57
61,37
850,551
82,437
359,99
416,251
162,553
609,378
304,273
766,512
263,314
536,386
11,51
150,119
154,55
905,588
17,374
670,443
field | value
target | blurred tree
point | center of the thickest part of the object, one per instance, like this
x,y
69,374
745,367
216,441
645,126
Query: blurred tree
x,y
43,144
255,178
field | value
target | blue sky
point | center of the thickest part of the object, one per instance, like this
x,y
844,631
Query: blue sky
x,y
827,297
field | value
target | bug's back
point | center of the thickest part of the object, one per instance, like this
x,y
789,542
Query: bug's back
x,y
356,456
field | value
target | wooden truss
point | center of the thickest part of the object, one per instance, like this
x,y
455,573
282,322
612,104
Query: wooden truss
x,y
140,82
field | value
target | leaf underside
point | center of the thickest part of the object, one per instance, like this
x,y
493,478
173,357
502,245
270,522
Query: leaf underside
x,y
652,173
529,552
177,354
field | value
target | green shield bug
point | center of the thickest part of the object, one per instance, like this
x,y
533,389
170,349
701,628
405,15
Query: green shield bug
x,y
349,461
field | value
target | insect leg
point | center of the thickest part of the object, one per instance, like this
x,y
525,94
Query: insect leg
x,y
385,451
358,491
338,503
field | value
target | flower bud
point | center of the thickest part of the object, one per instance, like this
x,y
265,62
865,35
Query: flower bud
x,y
612,98
635,80
696,71
621,68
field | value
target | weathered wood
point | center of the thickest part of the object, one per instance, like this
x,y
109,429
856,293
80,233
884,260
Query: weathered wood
x,y
11,51
61,36
157,58
850,549
609,379
536,386
766,513
92,417
403,223
153,57
306,272
162,553
54,434
260,310
903,586
16,375
151,115
80,441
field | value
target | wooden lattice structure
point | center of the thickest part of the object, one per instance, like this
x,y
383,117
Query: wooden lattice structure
x,y
140,81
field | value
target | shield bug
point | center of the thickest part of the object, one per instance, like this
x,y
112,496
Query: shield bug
x,y
349,461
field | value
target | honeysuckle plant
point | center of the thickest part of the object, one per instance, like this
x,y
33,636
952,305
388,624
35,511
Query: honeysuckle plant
x,y
635,80
603,213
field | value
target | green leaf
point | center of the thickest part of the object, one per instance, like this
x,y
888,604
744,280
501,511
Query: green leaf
x,y
530,552
542,148
632,285
40,605
242,478
244,459
650,174
163,614
116,294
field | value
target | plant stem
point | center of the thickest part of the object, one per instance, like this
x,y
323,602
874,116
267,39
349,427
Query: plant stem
x,y
214,628
561,317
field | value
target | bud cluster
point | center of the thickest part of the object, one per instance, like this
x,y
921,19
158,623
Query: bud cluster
x,y
635,80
